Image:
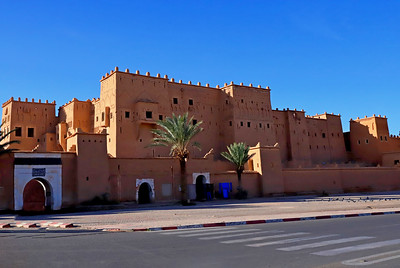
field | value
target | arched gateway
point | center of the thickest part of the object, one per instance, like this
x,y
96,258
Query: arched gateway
x,y
37,181
37,195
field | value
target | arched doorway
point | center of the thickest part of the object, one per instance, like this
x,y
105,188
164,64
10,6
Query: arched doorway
x,y
37,195
144,193
200,188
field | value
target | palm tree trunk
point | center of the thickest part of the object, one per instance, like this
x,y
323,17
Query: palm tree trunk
x,y
239,174
183,183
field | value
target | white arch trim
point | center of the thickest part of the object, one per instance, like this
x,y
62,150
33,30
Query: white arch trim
x,y
150,182
23,174
205,174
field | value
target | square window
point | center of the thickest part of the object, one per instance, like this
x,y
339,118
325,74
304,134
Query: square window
x,y
175,100
248,124
323,135
190,102
160,117
31,132
18,131
194,121
127,114
149,114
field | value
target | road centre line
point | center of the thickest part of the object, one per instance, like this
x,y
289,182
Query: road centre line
x,y
235,235
373,259
292,240
218,232
197,230
337,251
262,238
325,243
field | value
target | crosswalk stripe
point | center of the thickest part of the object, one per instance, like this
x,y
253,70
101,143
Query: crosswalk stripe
x,y
373,259
337,251
235,235
189,231
218,232
262,238
292,240
325,243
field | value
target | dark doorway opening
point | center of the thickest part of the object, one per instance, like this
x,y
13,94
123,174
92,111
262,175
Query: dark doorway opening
x,y
144,193
37,195
200,188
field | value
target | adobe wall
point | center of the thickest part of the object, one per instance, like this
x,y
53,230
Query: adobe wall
x,y
370,139
6,182
69,182
92,166
336,180
37,117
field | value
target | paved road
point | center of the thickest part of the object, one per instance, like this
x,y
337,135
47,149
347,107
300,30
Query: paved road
x,y
371,241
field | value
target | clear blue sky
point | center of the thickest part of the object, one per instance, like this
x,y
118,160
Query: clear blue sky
x,y
334,56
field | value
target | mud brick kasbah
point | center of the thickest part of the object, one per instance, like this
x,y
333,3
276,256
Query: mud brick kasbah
x,y
98,149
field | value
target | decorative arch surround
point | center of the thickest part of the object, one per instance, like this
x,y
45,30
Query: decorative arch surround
x,y
42,166
150,182
205,174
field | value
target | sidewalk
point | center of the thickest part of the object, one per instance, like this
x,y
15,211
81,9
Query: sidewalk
x,y
132,216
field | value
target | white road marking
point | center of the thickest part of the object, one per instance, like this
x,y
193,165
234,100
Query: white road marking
x,y
262,238
325,243
197,230
235,235
218,232
373,259
292,240
334,252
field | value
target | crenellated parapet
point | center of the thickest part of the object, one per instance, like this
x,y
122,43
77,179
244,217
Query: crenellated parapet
x,y
27,101
172,80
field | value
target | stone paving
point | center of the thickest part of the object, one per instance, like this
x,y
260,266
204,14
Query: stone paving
x,y
133,216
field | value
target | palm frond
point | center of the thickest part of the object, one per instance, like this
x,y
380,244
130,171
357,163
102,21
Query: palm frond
x,y
176,132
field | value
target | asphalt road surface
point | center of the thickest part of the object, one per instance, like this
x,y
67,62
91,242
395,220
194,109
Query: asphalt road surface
x,y
372,241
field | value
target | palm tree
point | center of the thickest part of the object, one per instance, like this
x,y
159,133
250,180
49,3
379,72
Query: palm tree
x,y
238,154
3,136
177,132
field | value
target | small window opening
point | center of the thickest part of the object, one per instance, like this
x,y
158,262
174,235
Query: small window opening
x,y
359,142
194,121
149,114
267,125
241,124
323,135
366,141
385,138
190,102
160,117
127,114
230,123
175,100
102,116
18,131
248,124
260,125
31,132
